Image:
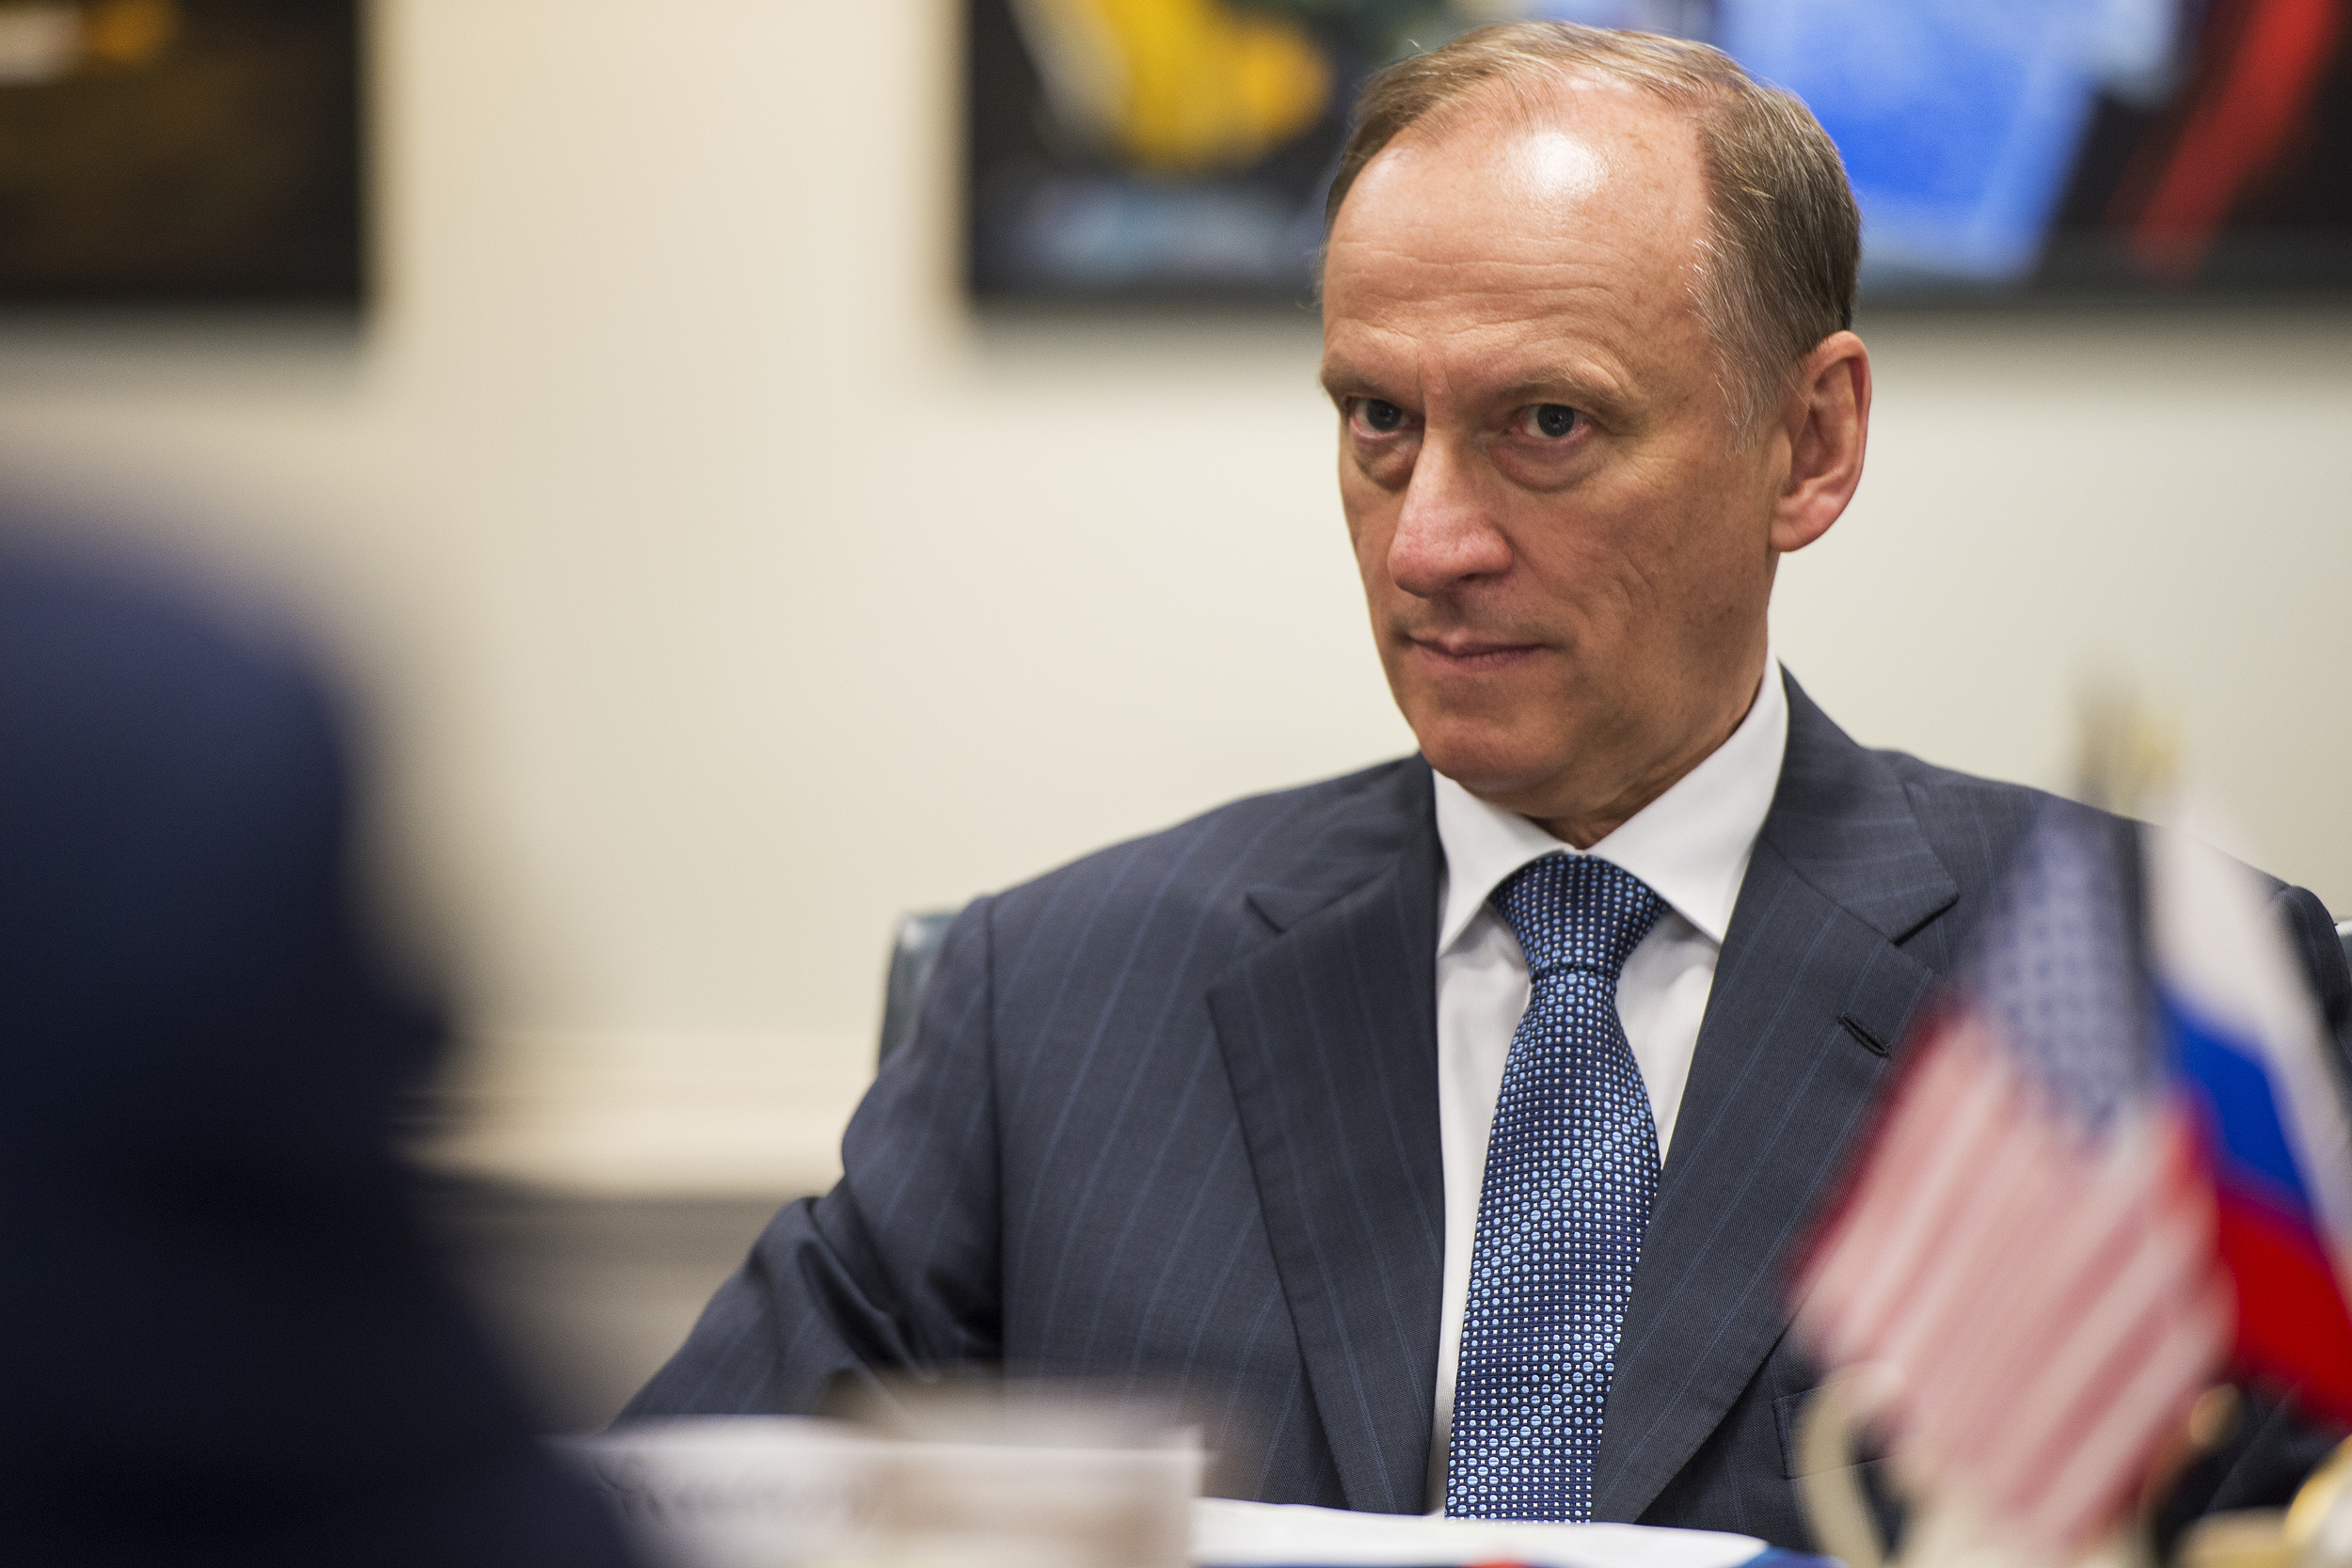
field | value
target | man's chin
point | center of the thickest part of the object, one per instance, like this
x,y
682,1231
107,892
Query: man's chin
x,y
1491,767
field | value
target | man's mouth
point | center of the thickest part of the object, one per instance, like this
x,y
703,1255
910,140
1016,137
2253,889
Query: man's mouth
x,y
1464,653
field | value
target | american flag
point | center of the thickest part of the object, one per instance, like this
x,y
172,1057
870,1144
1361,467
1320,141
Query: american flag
x,y
2024,1251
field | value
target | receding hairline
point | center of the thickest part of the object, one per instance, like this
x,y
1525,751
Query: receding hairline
x,y
1536,94
1509,105
1527,87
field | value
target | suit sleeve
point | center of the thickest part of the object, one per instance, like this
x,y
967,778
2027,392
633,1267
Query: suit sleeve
x,y
2275,1447
896,1269
2322,952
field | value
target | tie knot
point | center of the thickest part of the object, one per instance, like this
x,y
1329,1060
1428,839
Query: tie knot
x,y
1576,912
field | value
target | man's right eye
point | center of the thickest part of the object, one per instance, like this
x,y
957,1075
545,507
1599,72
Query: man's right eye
x,y
1379,415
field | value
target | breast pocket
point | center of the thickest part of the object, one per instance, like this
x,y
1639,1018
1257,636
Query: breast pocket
x,y
1875,1476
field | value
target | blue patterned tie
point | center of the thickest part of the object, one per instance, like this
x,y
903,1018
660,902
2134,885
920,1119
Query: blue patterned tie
x,y
1571,1172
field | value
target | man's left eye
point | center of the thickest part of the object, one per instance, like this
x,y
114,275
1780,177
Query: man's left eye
x,y
1551,419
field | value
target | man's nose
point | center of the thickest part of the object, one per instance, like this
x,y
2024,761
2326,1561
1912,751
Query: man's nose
x,y
1445,530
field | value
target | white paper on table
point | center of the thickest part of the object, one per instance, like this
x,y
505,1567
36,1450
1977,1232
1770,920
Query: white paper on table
x,y
1230,1534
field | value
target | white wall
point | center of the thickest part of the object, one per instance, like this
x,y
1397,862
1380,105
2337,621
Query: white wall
x,y
723,589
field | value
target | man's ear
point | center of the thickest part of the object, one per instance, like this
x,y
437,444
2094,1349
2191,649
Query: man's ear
x,y
1827,419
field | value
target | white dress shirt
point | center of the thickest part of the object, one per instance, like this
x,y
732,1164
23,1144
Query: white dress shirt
x,y
1691,846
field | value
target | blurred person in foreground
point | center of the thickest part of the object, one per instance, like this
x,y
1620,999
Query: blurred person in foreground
x,y
223,1339
1441,1130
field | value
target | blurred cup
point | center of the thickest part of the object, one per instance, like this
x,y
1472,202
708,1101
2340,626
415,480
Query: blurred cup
x,y
734,1491
990,1469
979,1506
1041,1482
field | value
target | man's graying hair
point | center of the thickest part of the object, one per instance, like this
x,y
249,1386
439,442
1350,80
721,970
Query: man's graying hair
x,y
1776,275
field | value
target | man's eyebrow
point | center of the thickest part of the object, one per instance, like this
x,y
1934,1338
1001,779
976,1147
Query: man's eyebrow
x,y
1337,374
1585,387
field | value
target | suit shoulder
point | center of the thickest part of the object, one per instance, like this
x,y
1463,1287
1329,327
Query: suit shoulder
x,y
1976,824
1220,854
1959,809
1949,791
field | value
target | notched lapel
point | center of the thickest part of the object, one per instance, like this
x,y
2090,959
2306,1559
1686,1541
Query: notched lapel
x,y
1330,1035
1777,1087
1283,904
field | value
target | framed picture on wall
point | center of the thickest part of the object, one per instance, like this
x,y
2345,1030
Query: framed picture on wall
x,y
2000,148
172,151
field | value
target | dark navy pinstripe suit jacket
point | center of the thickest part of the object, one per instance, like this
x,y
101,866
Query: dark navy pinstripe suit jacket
x,y
1171,1115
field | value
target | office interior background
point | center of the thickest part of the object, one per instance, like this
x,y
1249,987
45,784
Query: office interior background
x,y
717,585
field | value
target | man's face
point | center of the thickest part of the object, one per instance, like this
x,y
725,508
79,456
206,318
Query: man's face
x,y
1565,556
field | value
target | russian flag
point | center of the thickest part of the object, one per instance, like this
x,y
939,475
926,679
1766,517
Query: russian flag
x,y
2248,1049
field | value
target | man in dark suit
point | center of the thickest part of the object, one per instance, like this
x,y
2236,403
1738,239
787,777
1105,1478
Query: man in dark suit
x,y
224,1337
1257,1111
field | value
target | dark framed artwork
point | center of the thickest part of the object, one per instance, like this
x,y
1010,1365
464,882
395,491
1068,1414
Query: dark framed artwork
x,y
181,151
2001,150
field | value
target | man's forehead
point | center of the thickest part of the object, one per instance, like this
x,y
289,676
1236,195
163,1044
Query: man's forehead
x,y
1576,190
1545,242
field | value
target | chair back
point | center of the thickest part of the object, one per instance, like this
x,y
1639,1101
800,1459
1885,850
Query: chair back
x,y
913,954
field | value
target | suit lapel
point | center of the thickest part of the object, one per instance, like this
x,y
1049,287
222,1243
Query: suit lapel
x,y
1840,875
1329,1036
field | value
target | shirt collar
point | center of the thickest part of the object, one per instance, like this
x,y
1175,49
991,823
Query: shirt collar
x,y
1690,845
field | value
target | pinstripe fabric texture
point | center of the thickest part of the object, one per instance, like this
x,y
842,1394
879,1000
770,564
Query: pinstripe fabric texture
x,y
1169,1120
